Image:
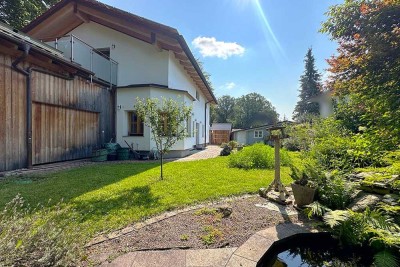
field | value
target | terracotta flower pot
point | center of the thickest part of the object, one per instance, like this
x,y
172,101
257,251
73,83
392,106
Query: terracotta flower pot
x,y
303,195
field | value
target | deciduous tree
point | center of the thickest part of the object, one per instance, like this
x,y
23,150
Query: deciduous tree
x,y
366,70
224,112
19,13
254,110
166,120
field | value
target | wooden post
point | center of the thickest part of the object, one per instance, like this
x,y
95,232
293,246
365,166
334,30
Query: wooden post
x,y
276,183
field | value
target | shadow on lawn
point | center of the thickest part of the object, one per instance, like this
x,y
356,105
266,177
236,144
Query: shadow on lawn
x,y
96,209
49,189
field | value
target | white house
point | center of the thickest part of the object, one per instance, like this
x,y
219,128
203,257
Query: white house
x,y
137,58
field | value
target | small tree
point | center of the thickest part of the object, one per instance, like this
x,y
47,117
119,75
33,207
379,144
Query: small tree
x,y
166,120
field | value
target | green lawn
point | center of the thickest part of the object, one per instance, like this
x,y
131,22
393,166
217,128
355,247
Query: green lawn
x,y
110,196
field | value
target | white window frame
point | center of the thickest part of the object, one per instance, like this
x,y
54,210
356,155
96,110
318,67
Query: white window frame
x,y
257,134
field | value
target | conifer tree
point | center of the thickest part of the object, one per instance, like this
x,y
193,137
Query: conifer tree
x,y
310,86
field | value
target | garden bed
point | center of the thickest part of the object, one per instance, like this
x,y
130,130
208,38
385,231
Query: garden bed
x,y
200,228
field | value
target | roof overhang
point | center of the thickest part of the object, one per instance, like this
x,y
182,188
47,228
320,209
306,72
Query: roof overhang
x,y
12,42
66,15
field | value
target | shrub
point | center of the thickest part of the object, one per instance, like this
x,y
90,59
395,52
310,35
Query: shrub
x,y
37,237
369,228
226,151
233,144
257,156
337,152
335,192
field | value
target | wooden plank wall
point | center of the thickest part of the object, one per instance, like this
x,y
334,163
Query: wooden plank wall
x,y
69,117
218,137
12,116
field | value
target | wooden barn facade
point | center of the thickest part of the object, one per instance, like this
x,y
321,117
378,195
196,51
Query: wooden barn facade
x,y
50,108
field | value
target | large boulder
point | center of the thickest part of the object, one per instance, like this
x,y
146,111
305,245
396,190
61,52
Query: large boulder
x,y
365,201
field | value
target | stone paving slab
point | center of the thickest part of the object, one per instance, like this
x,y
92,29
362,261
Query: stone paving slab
x,y
246,255
176,258
254,247
237,261
209,257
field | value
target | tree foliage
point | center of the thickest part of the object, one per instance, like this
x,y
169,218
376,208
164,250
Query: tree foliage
x,y
18,13
166,120
366,70
247,111
224,112
254,110
310,86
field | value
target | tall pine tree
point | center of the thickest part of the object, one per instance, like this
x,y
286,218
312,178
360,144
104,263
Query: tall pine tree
x,y
310,86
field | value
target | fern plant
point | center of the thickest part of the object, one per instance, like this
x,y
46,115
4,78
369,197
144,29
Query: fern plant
x,y
385,258
373,228
316,209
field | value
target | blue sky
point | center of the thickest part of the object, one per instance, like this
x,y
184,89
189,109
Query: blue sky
x,y
247,45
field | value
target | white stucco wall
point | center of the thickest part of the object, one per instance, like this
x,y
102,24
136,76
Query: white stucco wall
x,y
179,79
138,62
143,63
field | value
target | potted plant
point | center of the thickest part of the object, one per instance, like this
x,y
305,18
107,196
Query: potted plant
x,y
303,186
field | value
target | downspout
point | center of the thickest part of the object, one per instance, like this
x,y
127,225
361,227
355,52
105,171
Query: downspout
x,y
27,74
205,123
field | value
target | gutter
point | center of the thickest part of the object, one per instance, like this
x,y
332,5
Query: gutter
x,y
205,124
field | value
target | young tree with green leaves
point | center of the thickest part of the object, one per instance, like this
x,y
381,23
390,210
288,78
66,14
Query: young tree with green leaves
x,y
310,86
18,13
166,120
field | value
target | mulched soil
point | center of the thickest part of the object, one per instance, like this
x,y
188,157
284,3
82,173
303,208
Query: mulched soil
x,y
197,229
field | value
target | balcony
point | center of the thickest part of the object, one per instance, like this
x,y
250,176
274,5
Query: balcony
x,y
103,67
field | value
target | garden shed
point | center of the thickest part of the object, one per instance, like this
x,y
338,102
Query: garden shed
x,y
220,133
50,108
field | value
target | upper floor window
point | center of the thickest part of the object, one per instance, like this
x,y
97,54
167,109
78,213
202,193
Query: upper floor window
x,y
197,95
135,124
258,134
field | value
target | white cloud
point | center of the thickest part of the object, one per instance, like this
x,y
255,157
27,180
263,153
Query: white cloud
x,y
230,85
210,47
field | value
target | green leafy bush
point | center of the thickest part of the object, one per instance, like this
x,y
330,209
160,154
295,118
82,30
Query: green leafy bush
x,y
37,237
346,152
226,151
257,156
369,228
233,144
335,192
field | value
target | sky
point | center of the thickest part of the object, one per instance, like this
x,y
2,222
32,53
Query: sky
x,y
247,45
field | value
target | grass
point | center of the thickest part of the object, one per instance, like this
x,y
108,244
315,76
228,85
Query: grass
x,y
110,196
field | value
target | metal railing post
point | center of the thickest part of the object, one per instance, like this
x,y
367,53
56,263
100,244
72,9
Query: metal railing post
x,y
72,48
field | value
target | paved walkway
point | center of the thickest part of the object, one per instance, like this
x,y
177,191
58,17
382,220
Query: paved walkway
x,y
210,151
245,256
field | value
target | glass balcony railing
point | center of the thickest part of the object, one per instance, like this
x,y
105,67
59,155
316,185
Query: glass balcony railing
x,y
103,67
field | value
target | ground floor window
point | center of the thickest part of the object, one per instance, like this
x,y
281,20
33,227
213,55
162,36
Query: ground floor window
x,y
135,124
258,134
